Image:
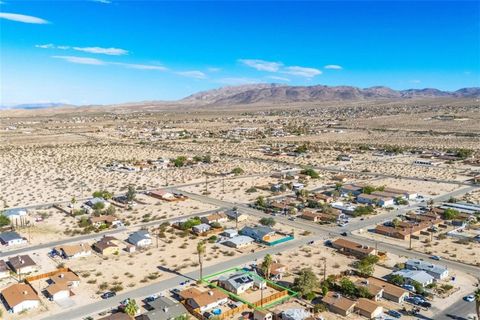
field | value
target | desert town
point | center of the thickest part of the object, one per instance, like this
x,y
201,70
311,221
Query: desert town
x,y
157,215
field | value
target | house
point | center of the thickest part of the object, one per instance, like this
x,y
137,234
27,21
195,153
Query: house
x,y
262,315
238,242
15,215
336,303
296,186
4,270
390,291
419,276
22,264
163,195
164,308
68,278
106,246
351,189
277,270
201,228
140,238
105,220
207,300
20,297
117,316
229,233
353,248
295,314
11,238
322,197
218,217
240,282
74,251
375,290
311,215
368,308
436,271
258,233
57,291
373,199
188,293
235,215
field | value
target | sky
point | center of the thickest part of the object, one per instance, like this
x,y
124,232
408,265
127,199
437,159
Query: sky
x,y
115,51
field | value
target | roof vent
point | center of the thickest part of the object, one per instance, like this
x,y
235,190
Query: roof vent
x,y
210,293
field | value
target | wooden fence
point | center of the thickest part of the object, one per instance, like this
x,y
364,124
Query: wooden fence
x,y
46,275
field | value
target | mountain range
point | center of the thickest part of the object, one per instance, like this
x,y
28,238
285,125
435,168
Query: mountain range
x,y
278,93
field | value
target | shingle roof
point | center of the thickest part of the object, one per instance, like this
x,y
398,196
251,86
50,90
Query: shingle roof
x,y
18,293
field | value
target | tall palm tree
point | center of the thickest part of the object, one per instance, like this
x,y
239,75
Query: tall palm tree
x,y
266,265
73,201
201,249
131,308
477,302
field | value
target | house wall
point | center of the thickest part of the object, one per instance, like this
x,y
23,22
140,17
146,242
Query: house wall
x,y
61,295
25,305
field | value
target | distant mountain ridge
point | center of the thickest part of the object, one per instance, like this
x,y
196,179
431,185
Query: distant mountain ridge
x,y
277,93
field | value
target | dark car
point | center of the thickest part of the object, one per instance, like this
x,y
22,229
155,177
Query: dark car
x,y
108,294
394,314
426,304
343,234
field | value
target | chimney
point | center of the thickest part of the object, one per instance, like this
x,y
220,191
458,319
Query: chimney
x,y
25,292
61,275
210,293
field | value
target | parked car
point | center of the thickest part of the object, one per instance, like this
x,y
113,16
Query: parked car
x,y
409,287
425,304
108,294
310,242
151,298
469,298
343,234
435,258
394,313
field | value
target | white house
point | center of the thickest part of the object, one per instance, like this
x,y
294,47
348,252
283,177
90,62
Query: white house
x,y
11,238
435,270
140,238
419,276
15,214
57,291
207,300
20,297
201,228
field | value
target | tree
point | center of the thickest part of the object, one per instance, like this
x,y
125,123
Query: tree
x,y
363,210
366,266
182,317
477,302
266,265
102,194
201,249
131,308
395,222
269,222
237,171
396,279
302,193
72,202
4,221
261,202
368,189
450,214
179,161
131,193
311,173
347,287
306,282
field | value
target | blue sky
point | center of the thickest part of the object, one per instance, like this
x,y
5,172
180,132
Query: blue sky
x,y
112,51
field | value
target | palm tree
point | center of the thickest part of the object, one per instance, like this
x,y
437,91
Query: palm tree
x,y
477,302
266,265
201,249
73,201
131,308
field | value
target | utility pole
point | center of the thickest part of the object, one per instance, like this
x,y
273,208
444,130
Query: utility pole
x,y
324,268
206,183
223,184
411,231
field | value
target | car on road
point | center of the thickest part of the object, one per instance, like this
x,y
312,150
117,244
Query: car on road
x,y
469,298
394,314
151,298
310,242
435,258
409,287
425,304
108,294
344,234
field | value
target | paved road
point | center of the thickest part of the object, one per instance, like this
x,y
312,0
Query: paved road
x,y
460,310
94,308
97,235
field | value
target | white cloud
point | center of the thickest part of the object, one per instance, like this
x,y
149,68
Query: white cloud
x,y
302,71
103,1
238,81
99,50
279,78
141,66
333,67
81,60
45,46
261,65
213,69
193,74
22,18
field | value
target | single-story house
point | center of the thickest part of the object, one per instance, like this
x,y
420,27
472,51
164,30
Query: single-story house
x,y
390,291
106,246
368,308
235,215
188,293
11,238
353,248
238,242
69,278
22,264
375,290
162,195
104,219
201,228
15,214
373,199
295,314
218,217
237,283
419,276
258,233
74,251
57,291
311,215
117,316
207,300
92,202
435,270
336,303
140,238
229,233
4,270
277,270
352,189
164,308
20,297
297,186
